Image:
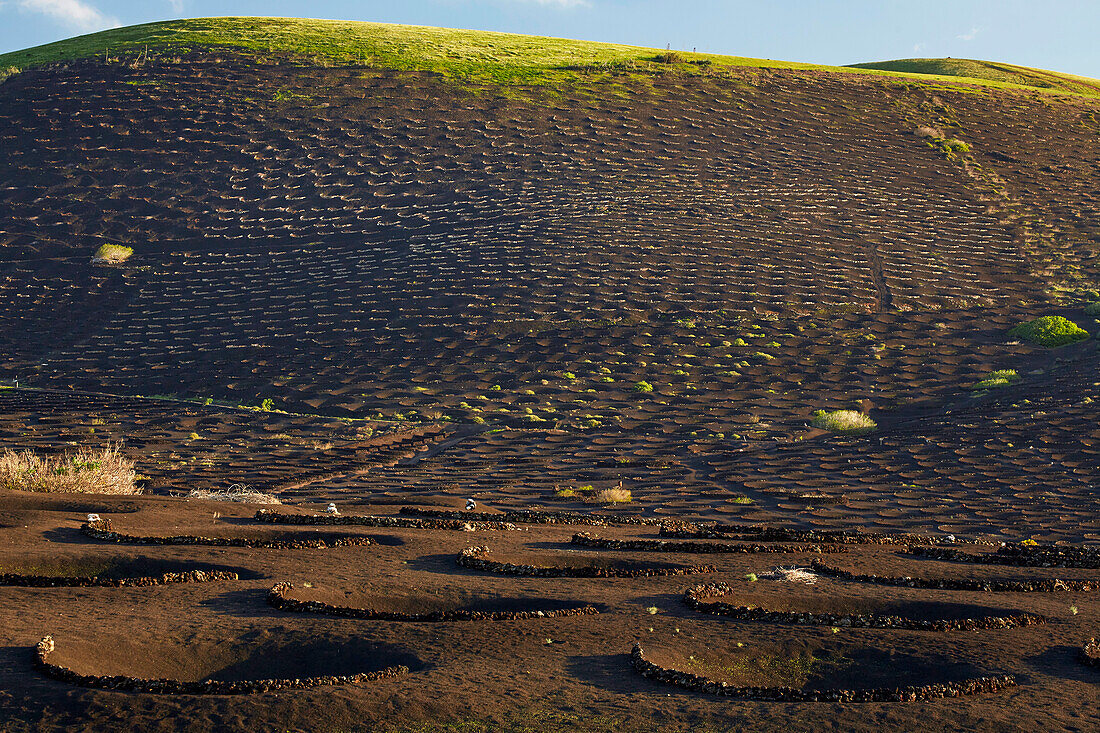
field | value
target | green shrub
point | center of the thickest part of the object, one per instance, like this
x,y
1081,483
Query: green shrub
x,y
954,145
1092,309
845,422
999,378
112,254
643,386
1050,331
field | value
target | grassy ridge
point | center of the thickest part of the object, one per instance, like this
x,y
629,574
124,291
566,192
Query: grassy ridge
x,y
475,56
989,70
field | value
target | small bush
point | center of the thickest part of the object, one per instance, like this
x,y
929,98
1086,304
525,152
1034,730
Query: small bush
x,y
1050,331
999,378
845,422
112,254
668,57
86,471
643,386
8,72
954,145
1092,309
609,496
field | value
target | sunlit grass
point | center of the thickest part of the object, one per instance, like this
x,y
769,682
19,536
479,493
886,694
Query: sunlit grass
x,y
466,55
992,71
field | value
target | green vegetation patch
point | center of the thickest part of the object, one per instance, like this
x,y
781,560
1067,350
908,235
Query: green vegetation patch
x,y
112,254
999,378
1050,331
845,422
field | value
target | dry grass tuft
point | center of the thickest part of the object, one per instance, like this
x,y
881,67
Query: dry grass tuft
x,y
845,422
237,493
86,471
609,496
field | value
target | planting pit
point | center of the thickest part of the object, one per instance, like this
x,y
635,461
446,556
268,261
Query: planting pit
x,y
549,565
807,671
440,605
828,604
254,662
113,571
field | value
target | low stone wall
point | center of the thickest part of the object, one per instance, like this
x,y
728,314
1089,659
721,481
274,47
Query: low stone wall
x,y
688,530
1038,585
933,691
586,539
474,558
697,598
271,517
47,581
278,598
533,516
210,687
1090,653
1042,556
102,530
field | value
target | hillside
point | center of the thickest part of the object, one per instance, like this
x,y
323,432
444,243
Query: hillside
x,y
384,265
991,71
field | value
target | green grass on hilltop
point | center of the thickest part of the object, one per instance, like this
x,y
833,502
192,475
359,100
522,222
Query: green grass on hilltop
x,y
991,71
472,56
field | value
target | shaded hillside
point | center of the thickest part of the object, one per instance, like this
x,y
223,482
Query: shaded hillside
x,y
648,263
990,71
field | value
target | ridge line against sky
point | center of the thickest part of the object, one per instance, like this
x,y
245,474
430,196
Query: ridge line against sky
x,y
1056,35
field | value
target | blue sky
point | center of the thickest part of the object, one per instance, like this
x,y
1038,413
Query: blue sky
x,y
1055,34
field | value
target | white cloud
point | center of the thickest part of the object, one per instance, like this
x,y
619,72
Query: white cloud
x,y
918,47
177,6
76,14
971,35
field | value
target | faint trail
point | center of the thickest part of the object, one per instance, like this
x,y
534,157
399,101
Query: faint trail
x,y
405,453
884,299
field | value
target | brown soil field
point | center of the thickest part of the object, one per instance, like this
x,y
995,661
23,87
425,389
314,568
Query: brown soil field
x,y
381,288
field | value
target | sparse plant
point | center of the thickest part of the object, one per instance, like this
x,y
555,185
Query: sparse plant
x,y
669,57
1049,331
86,471
845,422
112,254
237,492
610,496
1093,309
643,386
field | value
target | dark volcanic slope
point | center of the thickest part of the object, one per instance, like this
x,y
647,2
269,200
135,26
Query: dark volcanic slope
x,y
755,244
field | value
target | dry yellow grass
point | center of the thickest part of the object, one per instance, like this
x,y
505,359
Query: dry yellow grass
x,y
87,471
609,496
